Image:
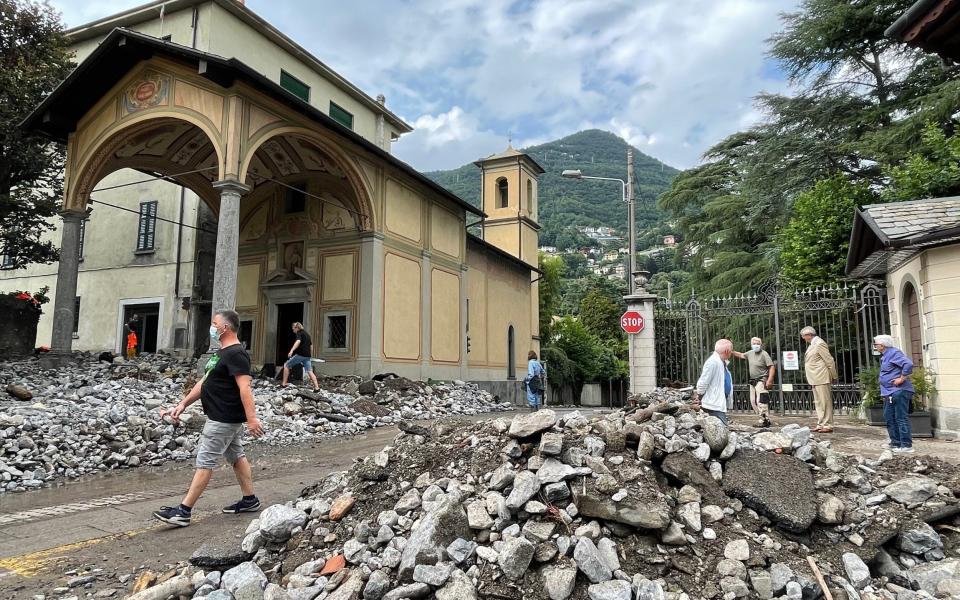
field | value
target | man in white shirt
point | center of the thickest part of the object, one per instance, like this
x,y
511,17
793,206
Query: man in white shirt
x,y
715,386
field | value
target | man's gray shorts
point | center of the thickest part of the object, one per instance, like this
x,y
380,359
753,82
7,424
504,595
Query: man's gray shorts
x,y
219,440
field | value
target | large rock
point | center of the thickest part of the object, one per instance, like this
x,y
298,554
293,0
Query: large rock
x,y
858,574
769,440
687,470
918,538
647,511
911,490
525,486
349,589
515,557
559,581
715,434
830,510
432,534
278,522
610,590
591,561
460,587
759,480
530,424
930,575
245,581
554,471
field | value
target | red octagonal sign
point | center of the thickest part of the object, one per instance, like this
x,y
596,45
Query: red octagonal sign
x,y
631,322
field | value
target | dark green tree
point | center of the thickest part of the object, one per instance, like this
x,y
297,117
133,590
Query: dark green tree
x,y
550,290
33,60
601,315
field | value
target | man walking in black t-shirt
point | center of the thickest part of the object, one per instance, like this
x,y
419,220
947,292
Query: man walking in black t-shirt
x,y
300,355
228,403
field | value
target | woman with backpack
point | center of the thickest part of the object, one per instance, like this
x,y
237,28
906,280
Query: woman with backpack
x,y
534,381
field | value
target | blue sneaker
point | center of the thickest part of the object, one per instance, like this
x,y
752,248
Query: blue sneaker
x,y
174,515
243,506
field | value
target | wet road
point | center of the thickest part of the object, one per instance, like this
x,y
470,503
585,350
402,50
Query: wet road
x,y
105,523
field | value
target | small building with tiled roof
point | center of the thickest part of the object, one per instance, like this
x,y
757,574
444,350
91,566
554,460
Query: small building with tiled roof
x,y
915,247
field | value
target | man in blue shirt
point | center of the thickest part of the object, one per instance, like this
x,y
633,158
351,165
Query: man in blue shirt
x,y
896,391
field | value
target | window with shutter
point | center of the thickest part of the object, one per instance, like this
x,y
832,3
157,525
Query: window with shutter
x,y
147,228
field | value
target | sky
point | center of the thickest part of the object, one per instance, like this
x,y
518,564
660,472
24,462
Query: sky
x,y
672,77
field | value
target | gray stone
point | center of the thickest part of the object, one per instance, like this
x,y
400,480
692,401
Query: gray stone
x,y
646,445
477,516
551,444
737,550
559,582
644,589
530,424
432,534
858,574
780,575
732,568
769,440
794,591
460,587
591,562
911,490
461,550
715,434
435,575
689,514
554,471
555,492
737,587
525,487
515,557
651,512
412,590
830,510
277,522
687,470
673,535
762,584
608,551
377,585
929,576
245,581
918,538
610,590
538,531
502,477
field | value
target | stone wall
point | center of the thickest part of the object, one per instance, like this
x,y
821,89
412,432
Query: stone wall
x,y
18,326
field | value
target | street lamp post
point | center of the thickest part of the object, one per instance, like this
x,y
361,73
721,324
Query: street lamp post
x,y
627,189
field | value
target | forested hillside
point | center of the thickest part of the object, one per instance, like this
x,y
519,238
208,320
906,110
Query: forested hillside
x,y
567,203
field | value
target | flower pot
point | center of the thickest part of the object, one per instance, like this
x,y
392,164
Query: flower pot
x,y
874,416
921,425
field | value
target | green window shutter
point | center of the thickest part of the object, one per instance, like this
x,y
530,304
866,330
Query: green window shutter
x,y
294,86
341,116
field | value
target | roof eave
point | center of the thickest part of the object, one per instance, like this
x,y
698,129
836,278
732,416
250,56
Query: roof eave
x,y
240,10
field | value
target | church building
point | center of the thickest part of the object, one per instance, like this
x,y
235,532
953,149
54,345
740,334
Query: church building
x,y
214,163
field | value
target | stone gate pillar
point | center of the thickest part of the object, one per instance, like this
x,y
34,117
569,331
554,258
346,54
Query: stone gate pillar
x,y
643,357
61,342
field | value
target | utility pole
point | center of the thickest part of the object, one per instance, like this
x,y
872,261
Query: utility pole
x,y
632,224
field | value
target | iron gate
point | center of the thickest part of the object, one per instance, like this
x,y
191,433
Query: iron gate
x,y
846,316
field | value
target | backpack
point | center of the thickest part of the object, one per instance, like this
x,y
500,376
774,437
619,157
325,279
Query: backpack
x,y
536,383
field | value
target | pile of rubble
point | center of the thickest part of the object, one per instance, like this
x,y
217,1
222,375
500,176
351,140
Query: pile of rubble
x,y
656,504
96,415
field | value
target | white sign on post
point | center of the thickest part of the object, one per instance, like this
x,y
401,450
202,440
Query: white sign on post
x,y
791,360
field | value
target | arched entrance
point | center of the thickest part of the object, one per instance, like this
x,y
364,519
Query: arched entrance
x,y
912,326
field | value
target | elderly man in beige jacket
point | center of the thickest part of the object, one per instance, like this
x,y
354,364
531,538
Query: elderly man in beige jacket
x,y
821,372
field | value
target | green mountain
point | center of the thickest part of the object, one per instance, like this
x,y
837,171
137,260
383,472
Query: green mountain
x,y
567,203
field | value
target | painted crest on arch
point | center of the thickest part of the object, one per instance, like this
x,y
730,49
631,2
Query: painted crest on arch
x,y
147,92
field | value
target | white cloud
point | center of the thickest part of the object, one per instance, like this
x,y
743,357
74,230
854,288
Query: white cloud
x,y
671,76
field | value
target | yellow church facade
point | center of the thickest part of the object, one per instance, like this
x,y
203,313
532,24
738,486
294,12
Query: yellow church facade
x,y
307,220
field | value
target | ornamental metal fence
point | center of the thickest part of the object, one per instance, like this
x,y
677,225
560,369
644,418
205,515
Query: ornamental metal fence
x,y
846,316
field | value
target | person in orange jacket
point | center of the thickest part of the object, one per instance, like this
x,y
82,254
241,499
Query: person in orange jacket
x,y
131,343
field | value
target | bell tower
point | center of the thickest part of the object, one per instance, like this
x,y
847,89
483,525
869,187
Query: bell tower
x,y
509,194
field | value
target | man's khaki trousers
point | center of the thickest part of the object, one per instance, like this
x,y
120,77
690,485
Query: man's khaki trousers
x,y
823,400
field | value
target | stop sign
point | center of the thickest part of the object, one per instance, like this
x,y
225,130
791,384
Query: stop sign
x,y
631,322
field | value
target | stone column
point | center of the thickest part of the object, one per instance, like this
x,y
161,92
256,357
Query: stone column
x,y
228,244
66,292
369,321
426,314
643,357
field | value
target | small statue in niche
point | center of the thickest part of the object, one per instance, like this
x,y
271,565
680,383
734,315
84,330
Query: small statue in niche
x,y
293,258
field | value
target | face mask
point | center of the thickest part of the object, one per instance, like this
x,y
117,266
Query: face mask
x,y
756,347
213,333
